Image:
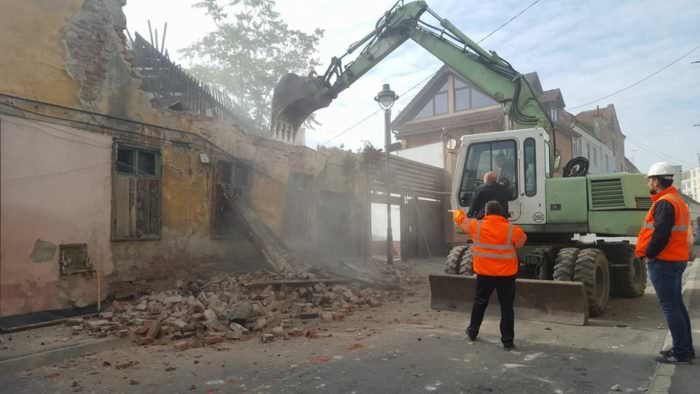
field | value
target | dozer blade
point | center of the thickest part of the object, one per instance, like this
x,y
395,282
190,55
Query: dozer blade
x,y
538,300
295,98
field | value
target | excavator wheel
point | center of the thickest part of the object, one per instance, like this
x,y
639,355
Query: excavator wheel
x,y
591,269
466,266
459,261
630,281
564,264
454,259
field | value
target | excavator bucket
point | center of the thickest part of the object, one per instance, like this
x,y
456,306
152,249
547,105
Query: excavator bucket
x,y
538,300
295,98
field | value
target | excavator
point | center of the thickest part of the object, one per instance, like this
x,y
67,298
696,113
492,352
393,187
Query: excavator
x,y
578,251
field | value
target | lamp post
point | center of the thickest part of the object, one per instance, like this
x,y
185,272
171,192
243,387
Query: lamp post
x,y
386,98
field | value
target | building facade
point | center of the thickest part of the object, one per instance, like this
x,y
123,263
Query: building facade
x,y
690,183
110,180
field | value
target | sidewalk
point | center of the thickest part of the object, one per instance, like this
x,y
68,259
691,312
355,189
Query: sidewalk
x,y
683,379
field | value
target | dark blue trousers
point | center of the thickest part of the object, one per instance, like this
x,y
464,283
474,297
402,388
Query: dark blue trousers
x,y
667,280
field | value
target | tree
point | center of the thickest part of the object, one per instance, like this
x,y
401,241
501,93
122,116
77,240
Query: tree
x,y
250,50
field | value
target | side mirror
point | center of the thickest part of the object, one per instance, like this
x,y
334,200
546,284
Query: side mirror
x,y
557,161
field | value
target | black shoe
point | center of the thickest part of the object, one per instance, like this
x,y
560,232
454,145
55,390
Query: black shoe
x,y
669,352
471,334
671,359
508,346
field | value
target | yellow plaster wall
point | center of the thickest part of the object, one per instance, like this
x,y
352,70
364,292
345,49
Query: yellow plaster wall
x,y
186,192
33,53
268,199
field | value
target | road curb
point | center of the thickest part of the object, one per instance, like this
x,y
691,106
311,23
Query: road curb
x,y
51,356
661,382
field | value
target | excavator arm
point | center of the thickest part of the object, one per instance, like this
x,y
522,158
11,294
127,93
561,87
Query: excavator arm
x,y
295,97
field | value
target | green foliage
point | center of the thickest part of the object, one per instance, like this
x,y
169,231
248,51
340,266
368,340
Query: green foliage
x,y
250,50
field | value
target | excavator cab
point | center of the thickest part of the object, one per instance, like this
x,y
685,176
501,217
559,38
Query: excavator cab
x,y
520,160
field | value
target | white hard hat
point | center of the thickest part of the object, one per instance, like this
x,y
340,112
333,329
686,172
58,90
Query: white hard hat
x,y
661,168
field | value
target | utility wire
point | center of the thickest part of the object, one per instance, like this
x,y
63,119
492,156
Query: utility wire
x,y
509,20
658,153
640,81
376,111
429,76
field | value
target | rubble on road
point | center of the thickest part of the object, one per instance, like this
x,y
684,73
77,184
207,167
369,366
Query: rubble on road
x,y
236,307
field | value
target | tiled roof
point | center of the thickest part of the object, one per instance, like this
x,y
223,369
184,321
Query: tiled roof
x,y
534,81
553,95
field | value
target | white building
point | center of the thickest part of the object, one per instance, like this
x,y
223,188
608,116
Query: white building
x,y
601,159
690,183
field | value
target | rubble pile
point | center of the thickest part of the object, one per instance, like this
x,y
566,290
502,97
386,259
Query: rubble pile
x,y
236,307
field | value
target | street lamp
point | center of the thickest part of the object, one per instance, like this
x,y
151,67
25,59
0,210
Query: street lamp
x,y
386,98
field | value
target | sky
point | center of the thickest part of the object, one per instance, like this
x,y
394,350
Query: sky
x,y
587,49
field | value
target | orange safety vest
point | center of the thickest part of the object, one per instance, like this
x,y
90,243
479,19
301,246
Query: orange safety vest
x,y
677,248
495,241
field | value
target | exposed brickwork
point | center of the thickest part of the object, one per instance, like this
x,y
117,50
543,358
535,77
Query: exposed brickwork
x,y
94,45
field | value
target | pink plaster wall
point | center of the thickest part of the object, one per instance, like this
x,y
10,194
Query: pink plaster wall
x,y
56,184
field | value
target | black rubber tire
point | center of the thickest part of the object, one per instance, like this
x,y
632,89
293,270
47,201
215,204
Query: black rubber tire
x,y
459,261
454,259
564,264
466,266
629,282
544,271
592,270
578,166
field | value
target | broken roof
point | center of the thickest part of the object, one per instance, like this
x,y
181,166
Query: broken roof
x,y
176,90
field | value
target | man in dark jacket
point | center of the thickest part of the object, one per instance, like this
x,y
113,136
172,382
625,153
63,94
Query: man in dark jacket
x,y
664,245
490,190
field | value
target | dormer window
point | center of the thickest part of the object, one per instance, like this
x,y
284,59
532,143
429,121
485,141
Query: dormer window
x,y
554,114
436,106
468,97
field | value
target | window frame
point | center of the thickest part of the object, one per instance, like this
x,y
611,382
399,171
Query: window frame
x,y
136,170
431,103
466,89
525,164
470,89
227,174
132,191
514,194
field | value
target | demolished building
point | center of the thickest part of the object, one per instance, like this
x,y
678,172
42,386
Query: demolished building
x,y
117,168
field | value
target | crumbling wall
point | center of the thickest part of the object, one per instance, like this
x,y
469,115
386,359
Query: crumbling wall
x,y
73,55
339,181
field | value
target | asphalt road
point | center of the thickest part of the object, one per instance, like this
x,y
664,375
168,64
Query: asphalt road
x,y
398,348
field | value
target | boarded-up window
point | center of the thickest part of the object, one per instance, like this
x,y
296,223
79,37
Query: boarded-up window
x,y
233,181
137,183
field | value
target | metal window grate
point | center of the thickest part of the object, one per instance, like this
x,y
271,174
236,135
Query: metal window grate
x,y
73,259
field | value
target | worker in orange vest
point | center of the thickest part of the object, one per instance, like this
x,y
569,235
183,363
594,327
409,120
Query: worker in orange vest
x,y
496,266
664,245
